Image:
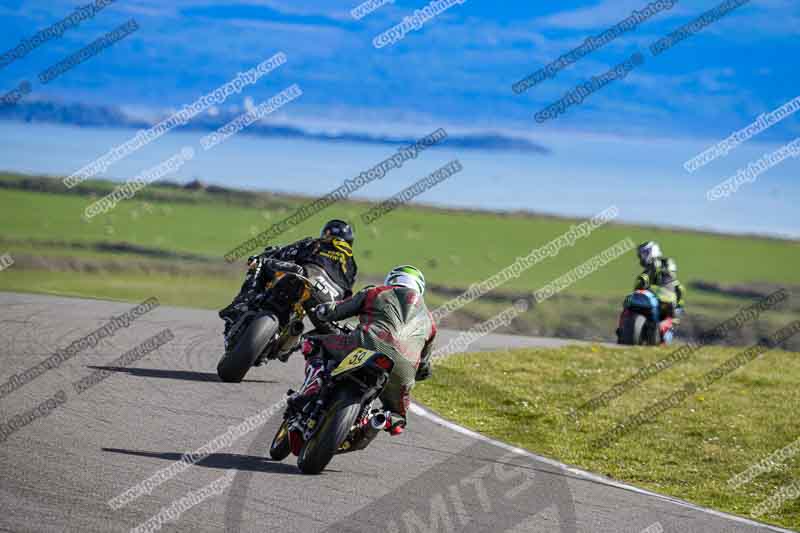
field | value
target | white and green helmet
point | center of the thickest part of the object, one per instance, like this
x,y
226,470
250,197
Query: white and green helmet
x,y
406,276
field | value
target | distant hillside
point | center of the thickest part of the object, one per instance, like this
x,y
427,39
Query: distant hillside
x,y
106,117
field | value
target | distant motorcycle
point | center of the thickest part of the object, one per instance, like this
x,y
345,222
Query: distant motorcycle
x,y
271,323
338,419
645,320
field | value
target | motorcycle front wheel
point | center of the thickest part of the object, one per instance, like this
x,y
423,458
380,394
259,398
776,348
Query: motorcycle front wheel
x,y
280,448
633,328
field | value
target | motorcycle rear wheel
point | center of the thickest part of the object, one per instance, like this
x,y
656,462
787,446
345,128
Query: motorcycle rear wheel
x,y
235,364
320,449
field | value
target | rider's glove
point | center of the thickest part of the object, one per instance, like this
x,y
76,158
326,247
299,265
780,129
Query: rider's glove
x,y
323,311
423,371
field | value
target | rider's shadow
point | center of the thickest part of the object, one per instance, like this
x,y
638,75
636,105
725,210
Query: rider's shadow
x,y
163,373
222,461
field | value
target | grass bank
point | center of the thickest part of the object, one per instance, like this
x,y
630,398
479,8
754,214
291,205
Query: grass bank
x,y
690,451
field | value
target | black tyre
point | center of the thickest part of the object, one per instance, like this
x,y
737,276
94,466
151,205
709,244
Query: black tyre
x,y
280,448
651,334
632,329
235,364
318,452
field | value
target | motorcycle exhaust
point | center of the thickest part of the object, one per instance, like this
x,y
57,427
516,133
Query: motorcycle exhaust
x,y
367,432
296,329
378,422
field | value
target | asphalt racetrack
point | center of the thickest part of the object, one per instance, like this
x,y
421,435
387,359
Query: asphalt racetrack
x,y
89,445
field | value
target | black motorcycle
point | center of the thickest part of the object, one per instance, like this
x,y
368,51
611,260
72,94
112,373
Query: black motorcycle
x,y
339,418
269,322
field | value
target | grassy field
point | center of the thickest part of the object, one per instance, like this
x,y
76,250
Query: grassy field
x,y
454,247
133,251
690,451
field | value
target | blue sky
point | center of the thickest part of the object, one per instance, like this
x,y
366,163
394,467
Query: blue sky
x,y
626,143
458,69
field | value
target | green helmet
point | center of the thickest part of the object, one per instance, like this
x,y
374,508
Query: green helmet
x,y
406,276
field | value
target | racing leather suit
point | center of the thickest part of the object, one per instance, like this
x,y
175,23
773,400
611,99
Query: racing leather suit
x,y
660,278
395,321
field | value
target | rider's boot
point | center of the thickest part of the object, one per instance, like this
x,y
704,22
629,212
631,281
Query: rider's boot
x,y
397,424
666,331
313,380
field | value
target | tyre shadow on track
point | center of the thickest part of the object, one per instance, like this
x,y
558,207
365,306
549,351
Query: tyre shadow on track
x,y
222,461
186,375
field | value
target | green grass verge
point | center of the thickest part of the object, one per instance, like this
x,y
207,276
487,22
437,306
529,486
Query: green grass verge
x,y
455,248
524,397
41,223
204,292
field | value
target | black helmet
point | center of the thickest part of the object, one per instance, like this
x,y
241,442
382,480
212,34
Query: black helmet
x,y
339,229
